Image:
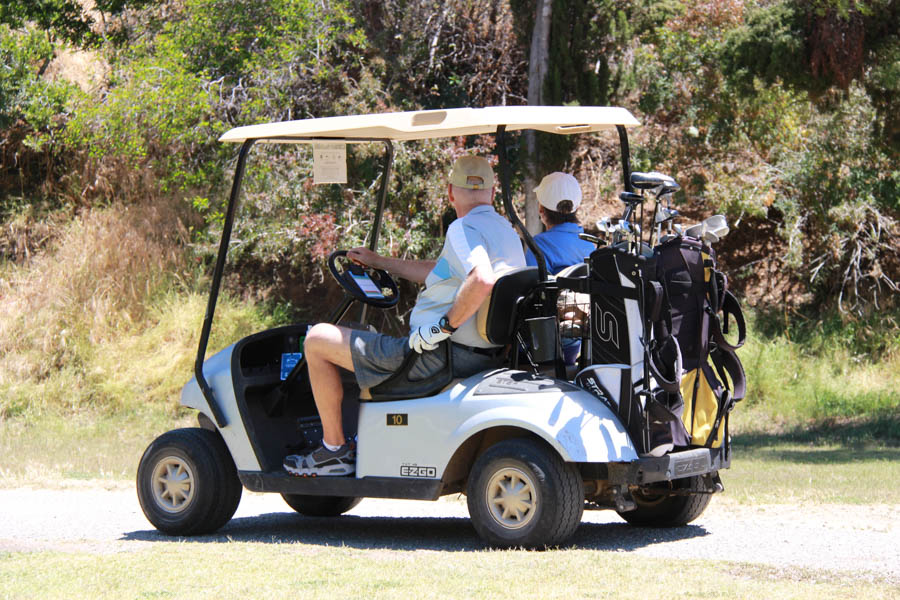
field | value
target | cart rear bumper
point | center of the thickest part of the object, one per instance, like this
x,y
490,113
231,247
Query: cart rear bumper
x,y
676,465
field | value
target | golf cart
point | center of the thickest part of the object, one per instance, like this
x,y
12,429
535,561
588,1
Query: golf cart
x,y
532,444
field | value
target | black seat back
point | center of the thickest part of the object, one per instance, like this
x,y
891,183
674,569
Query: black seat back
x,y
497,317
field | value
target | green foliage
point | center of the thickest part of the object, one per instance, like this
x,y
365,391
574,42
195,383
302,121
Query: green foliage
x,y
803,370
745,121
770,47
217,65
159,116
32,112
286,59
67,20
24,95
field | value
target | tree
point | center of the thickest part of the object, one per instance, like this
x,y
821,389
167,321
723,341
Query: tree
x,y
65,20
818,47
537,73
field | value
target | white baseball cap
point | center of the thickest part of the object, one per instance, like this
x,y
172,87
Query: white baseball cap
x,y
556,187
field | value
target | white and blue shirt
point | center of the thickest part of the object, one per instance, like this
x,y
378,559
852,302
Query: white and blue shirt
x,y
482,237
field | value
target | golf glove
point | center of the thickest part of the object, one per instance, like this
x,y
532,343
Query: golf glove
x,y
427,337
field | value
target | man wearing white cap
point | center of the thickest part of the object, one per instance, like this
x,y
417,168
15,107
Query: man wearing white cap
x,y
480,244
559,196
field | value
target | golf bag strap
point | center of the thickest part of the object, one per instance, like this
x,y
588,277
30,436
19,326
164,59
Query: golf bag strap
x,y
654,300
655,358
731,307
726,403
581,285
727,362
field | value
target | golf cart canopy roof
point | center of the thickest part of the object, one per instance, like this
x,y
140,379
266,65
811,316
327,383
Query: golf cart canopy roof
x,y
425,124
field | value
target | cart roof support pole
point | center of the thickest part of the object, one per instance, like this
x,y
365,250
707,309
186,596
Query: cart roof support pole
x,y
379,210
217,282
382,194
626,161
507,203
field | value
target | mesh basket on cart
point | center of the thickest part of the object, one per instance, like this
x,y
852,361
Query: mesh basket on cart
x,y
574,310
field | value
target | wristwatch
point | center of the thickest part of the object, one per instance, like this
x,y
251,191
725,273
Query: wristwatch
x,y
444,324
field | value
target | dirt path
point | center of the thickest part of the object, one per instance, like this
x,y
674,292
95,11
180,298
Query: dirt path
x,y
834,539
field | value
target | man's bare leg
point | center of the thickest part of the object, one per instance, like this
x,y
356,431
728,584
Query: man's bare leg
x,y
328,349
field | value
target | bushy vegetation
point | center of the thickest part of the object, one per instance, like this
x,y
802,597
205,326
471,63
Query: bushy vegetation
x,y
111,195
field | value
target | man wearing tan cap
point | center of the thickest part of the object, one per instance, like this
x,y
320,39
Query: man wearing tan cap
x,y
479,245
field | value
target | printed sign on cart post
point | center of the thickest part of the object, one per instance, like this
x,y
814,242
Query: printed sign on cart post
x,y
329,163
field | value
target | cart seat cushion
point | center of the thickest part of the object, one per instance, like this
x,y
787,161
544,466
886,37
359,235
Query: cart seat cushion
x,y
365,394
496,318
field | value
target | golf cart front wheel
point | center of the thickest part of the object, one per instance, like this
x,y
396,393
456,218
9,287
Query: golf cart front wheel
x,y
521,493
187,483
658,507
320,506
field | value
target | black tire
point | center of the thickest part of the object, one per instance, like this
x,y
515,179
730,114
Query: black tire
x,y
550,497
187,483
658,508
320,506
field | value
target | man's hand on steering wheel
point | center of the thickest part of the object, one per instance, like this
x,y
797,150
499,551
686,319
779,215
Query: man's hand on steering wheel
x,y
365,257
364,281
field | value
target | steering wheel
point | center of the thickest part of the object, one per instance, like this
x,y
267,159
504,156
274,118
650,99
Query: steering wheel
x,y
370,286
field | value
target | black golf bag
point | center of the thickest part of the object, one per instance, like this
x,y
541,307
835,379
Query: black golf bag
x,y
655,329
697,307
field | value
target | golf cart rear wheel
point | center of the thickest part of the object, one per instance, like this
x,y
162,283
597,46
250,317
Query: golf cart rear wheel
x,y
320,506
521,493
657,508
187,483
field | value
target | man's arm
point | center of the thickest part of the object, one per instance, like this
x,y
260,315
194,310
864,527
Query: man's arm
x,y
472,293
414,270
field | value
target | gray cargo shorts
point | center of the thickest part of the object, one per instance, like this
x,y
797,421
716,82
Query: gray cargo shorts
x,y
376,357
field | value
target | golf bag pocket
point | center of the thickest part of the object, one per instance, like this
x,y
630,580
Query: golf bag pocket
x,y
665,413
705,407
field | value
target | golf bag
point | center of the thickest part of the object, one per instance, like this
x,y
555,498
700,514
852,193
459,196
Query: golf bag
x,y
624,299
697,307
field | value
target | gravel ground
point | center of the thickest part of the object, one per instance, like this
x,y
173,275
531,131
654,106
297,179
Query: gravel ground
x,y
842,540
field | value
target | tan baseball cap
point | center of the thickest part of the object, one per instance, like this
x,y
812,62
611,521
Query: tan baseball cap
x,y
472,173
555,188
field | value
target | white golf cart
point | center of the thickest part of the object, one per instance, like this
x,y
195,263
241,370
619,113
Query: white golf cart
x,y
529,447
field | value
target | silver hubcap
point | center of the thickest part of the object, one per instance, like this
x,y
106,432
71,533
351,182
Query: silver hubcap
x,y
173,484
511,497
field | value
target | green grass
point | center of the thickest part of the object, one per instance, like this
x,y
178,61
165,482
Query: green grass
x,y
46,451
281,570
766,468
820,374
786,473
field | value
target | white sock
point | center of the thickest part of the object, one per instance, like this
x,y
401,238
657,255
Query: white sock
x,y
329,446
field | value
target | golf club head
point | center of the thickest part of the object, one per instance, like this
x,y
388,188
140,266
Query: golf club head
x,y
652,181
604,226
715,225
665,214
631,198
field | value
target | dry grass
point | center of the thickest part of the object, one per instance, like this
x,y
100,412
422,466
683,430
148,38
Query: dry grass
x,y
105,314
